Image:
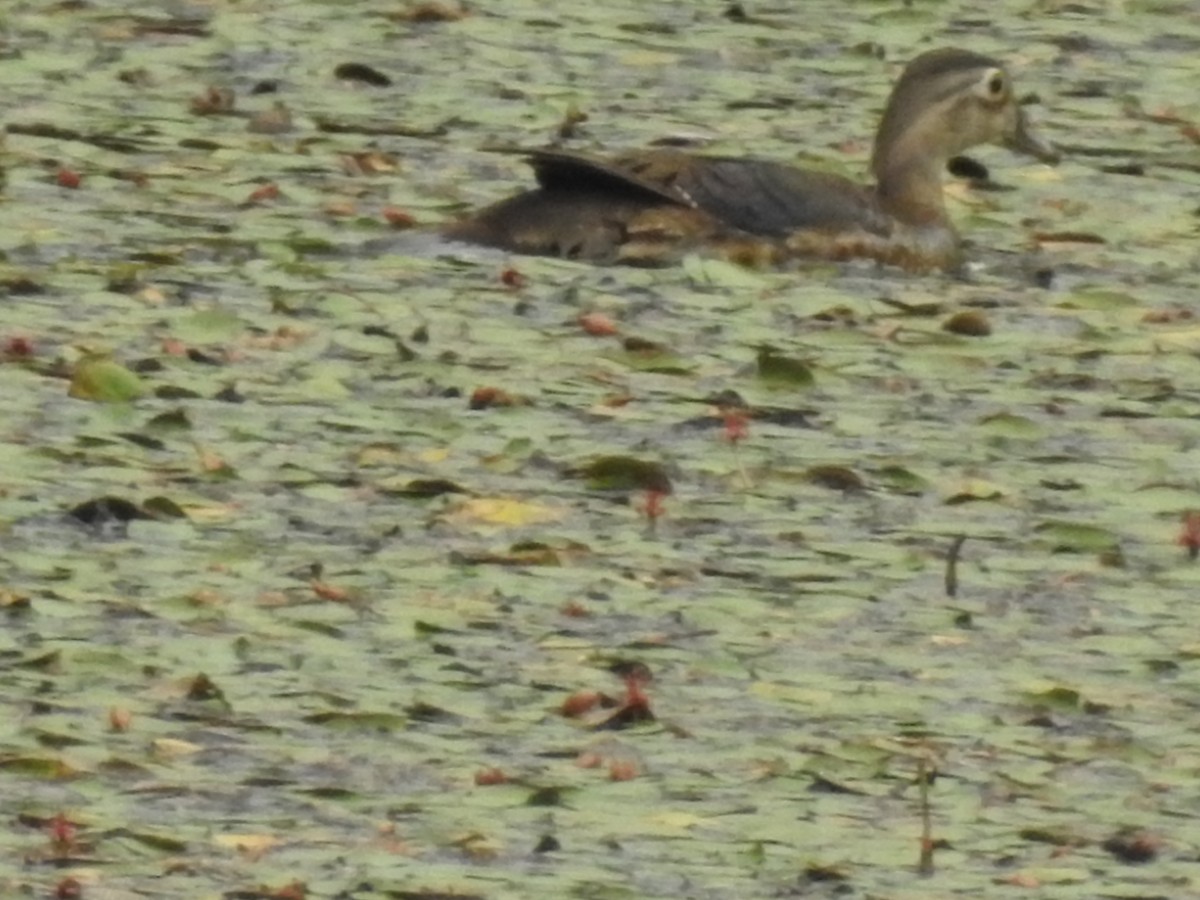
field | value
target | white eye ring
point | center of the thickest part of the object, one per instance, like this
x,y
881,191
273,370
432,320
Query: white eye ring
x,y
993,85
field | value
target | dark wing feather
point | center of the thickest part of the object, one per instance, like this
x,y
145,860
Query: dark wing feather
x,y
749,195
561,170
773,199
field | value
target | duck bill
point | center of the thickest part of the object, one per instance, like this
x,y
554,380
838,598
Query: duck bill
x,y
1024,140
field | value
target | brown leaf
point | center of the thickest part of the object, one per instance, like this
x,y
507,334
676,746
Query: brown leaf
x,y
431,11
969,322
838,478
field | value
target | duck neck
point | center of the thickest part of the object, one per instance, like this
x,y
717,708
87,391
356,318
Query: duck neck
x,y
908,164
909,189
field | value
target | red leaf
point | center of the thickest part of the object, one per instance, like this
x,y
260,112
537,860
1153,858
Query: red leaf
x,y
398,218
1189,535
512,278
597,324
490,776
263,193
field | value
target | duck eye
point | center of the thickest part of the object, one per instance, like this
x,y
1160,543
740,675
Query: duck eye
x,y
995,84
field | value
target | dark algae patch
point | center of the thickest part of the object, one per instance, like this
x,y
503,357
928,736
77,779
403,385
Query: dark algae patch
x,y
339,560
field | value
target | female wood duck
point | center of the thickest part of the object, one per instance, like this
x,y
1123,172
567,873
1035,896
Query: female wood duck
x,y
649,207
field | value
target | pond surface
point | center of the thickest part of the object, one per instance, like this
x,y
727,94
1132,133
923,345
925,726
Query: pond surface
x,y
312,523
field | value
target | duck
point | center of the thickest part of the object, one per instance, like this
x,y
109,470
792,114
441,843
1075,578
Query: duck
x,y
652,207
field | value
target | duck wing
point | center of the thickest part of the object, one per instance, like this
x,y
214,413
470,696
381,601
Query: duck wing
x,y
562,170
749,195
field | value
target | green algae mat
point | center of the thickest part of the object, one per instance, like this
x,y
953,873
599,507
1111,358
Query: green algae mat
x,y
339,561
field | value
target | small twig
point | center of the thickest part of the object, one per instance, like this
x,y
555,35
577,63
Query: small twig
x,y
952,565
57,133
737,428
925,864
747,484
